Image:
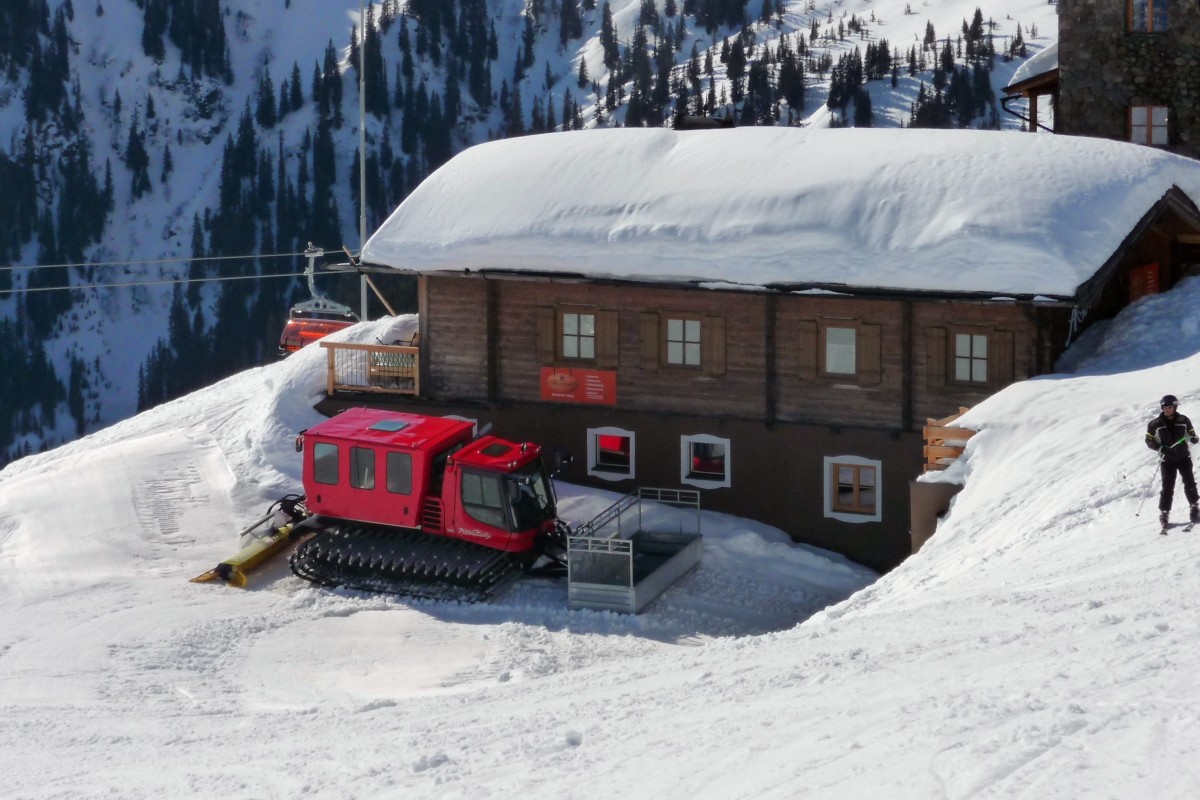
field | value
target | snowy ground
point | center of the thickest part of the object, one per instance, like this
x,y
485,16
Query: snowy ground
x,y
1045,643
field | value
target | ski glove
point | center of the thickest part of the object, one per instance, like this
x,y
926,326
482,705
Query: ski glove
x,y
1194,440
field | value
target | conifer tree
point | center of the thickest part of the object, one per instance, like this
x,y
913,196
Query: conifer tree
x,y
137,160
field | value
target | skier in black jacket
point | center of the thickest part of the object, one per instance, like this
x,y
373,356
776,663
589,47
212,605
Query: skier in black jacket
x,y
1169,433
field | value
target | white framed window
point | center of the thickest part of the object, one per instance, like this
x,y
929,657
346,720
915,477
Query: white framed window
x,y
852,489
578,335
970,358
1148,125
683,342
704,461
612,453
841,351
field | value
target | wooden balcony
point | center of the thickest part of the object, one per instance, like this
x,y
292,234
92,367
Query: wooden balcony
x,y
380,368
944,442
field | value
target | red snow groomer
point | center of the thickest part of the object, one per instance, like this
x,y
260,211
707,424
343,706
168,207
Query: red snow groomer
x,y
419,505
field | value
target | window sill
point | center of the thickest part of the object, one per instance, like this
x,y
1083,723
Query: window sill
x,y
706,481
611,473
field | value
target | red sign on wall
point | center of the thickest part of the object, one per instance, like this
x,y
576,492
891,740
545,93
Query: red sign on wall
x,y
1143,281
579,386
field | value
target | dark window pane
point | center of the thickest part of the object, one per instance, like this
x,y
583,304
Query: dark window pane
x,y
399,473
325,463
362,468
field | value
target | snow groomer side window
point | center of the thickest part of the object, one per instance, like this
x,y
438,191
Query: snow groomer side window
x,y
483,498
362,468
399,473
325,463
852,491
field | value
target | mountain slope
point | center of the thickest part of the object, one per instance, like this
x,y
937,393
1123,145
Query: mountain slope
x,y
169,159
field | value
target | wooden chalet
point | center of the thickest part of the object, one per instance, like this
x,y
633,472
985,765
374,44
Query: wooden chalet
x,y
801,403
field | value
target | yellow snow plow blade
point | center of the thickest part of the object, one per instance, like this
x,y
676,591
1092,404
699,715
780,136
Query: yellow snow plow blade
x,y
234,570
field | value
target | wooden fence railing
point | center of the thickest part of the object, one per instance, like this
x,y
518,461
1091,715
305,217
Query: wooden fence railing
x,y
382,368
944,442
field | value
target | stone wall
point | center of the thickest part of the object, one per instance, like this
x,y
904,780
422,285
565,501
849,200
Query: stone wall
x,y
1104,69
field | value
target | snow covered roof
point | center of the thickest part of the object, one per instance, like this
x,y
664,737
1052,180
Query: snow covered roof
x,y
913,210
1038,64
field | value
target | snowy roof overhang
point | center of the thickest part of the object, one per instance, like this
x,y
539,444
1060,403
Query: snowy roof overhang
x,y
889,212
1037,75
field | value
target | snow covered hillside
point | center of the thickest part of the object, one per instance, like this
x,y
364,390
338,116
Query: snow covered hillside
x,y
178,162
1043,644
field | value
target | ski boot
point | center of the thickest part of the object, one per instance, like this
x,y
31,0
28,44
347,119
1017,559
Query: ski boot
x,y
1162,520
1194,514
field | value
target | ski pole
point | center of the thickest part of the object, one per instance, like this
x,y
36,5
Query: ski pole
x,y
1156,456
1141,466
1138,513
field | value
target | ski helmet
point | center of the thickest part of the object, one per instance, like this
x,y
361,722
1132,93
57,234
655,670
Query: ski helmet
x,y
1168,400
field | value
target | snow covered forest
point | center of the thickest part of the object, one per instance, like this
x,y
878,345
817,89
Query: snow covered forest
x,y
191,149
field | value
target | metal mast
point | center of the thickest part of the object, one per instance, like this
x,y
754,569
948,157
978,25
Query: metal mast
x,y
362,151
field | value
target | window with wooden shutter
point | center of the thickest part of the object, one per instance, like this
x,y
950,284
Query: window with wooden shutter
x,y
572,335
969,356
681,339
577,334
840,349
684,340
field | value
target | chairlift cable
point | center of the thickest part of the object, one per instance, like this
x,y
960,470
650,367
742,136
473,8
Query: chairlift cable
x,y
12,268
4,292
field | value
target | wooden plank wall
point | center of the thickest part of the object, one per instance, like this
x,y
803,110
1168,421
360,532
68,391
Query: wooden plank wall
x,y
807,395
932,398
738,392
899,395
454,333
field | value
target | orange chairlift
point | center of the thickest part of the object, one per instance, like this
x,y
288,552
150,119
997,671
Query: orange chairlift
x,y
316,318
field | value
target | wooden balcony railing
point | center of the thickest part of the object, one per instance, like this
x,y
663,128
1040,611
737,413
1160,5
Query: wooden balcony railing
x,y
382,368
944,442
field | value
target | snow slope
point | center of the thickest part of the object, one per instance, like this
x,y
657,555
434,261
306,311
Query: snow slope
x,y
1044,643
